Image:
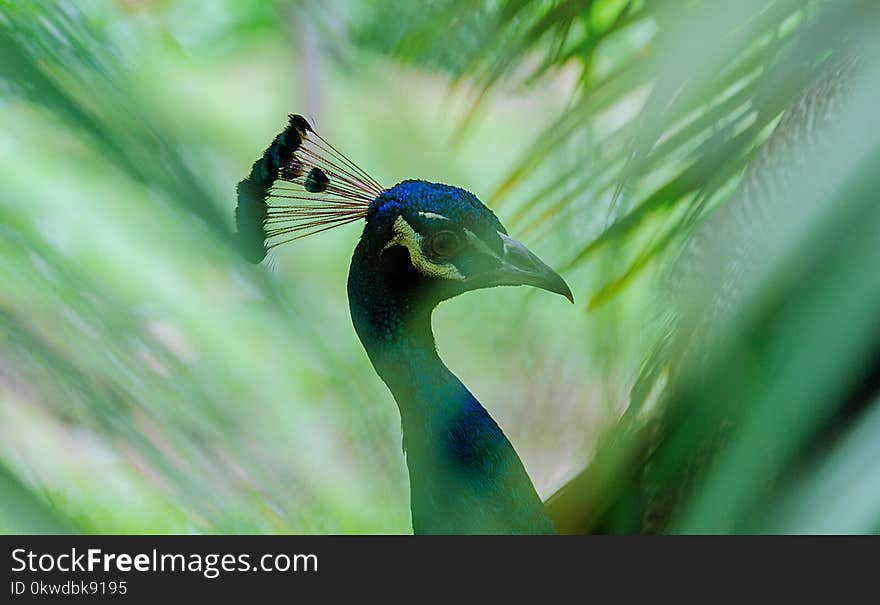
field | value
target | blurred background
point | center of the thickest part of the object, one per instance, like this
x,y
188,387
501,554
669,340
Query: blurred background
x,y
703,173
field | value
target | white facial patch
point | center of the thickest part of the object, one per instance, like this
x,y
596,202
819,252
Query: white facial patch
x,y
405,235
432,215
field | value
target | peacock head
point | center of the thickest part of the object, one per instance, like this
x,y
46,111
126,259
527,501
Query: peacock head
x,y
436,241
423,242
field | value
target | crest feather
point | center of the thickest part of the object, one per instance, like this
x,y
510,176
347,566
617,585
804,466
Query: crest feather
x,y
300,186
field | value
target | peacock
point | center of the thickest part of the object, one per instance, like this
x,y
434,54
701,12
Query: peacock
x,y
423,243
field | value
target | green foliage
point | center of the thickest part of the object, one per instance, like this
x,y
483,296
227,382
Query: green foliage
x,y
152,381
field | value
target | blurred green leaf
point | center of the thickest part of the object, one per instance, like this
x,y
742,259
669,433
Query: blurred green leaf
x,y
24,513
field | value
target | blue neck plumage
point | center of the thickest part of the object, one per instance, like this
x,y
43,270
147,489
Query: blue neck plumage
x,y
464,474
399,341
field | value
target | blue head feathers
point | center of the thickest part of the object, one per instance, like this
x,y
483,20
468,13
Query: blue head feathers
x,y
413,197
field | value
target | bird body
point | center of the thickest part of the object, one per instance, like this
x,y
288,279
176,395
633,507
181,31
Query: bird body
x,y
423,243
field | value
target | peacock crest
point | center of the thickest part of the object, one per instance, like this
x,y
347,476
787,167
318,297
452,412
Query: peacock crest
x,y
300,186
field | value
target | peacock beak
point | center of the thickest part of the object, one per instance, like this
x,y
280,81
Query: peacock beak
x,y
520,267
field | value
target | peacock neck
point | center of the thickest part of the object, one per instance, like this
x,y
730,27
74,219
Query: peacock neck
x,y
465,476
400,344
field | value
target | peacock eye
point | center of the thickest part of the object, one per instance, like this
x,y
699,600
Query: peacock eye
x,y
443,244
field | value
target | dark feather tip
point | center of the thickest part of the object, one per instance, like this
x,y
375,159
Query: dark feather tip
x,y
300,123
316,181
